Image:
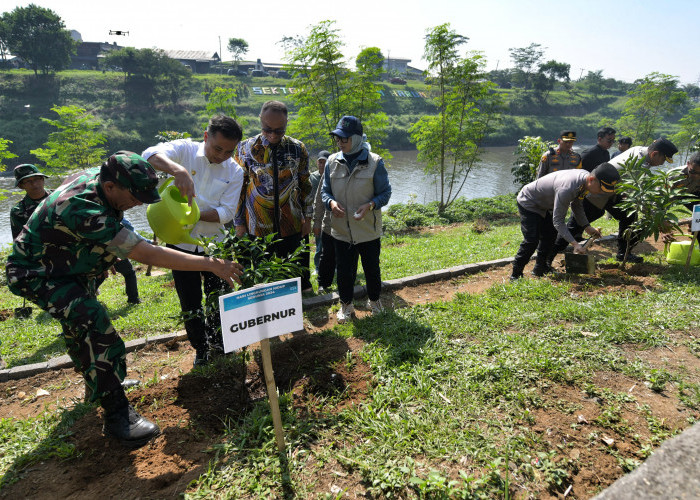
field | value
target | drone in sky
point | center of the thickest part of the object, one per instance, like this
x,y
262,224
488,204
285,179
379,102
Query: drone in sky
x,y
118,32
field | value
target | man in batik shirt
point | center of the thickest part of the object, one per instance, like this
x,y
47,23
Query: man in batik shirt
x,y
276,186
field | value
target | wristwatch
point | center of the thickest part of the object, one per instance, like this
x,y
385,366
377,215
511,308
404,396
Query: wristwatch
x,y
371,205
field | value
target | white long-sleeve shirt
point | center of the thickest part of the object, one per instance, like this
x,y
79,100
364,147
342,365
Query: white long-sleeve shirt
x,y
216,185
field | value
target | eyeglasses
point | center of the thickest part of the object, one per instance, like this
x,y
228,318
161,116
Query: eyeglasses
x,y
274,131
342,140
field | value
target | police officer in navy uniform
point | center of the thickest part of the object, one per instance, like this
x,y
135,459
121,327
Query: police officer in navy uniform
x,y
543,205
563,158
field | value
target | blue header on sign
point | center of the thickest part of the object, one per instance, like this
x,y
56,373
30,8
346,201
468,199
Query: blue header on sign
x,y
258,294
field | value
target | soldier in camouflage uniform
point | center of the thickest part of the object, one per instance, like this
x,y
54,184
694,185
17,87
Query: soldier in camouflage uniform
x,y
73,237
29,178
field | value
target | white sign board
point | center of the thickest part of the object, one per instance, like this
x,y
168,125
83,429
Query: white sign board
x,y
695,225
262,312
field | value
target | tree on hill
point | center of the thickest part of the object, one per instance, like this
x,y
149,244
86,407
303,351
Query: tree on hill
x,y
150,76
450,142
652,99
76,144
526,61
326,89
38,36
549,74
4,50
238,48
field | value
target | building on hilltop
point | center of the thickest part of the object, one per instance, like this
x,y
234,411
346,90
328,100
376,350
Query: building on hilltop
x,y
199,61
398,64
88,54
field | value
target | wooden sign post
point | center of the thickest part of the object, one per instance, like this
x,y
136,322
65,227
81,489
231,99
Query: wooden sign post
x,y
256,315
695,228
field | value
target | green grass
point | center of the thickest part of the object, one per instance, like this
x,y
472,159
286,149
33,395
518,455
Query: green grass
x,y
39,338
456,386
455,390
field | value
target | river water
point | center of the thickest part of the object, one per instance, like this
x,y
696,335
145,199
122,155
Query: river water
x,y
489,178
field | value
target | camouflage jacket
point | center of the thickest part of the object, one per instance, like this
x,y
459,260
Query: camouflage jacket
x,y
19,214
75,232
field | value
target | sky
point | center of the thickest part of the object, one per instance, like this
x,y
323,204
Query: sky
x,y
627,40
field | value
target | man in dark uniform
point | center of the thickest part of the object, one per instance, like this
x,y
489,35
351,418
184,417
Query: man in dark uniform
x,y
543,205
595,206
29,178
74,236
594,156
563,158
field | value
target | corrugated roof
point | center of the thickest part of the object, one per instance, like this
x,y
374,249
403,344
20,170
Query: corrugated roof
x,y
196,55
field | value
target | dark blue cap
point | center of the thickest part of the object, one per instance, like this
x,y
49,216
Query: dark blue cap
x,y
347,126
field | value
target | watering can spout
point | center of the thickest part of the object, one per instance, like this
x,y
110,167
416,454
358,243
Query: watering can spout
x,y
172,218
192,241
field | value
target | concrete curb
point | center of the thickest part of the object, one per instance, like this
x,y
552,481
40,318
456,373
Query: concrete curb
x,y
673,471
61,362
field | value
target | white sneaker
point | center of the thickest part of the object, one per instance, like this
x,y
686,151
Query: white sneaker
x,y
375,306
345,312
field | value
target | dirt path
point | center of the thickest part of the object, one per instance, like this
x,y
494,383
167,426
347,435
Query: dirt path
x,y
191,407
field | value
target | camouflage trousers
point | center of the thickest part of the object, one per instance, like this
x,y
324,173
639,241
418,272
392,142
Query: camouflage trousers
x,y
93,344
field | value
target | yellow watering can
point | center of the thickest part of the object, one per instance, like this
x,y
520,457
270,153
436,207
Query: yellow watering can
x,y
677,253
172,219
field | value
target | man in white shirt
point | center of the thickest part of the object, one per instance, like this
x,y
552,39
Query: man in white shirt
x,y
205,171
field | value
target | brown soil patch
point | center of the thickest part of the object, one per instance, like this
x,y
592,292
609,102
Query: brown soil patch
x,y
192,407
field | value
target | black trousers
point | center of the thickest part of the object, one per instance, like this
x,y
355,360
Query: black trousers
x,y
326,265
202,332
346,255
594,213
538,234
125,268
286,246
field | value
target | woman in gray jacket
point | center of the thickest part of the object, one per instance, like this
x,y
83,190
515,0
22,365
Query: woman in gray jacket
x,y
355,187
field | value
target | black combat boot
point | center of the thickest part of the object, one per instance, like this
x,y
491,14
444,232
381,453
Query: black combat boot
x,y
517,272
122,421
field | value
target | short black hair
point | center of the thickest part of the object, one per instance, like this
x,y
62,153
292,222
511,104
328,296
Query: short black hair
x,y
226,126
695,159
625,140
276,106
603,131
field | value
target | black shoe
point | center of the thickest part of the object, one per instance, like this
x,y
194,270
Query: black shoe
x,y
634,259
134,301
515,276
201,358
124,423
541,271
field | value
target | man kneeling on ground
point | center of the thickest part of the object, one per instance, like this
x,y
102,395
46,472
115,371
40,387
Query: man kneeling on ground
x,y
75,236
543,205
